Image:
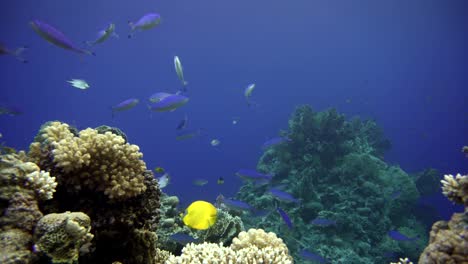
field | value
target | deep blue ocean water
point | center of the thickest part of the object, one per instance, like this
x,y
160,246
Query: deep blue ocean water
x,y
402,63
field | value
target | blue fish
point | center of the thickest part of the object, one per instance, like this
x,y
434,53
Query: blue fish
x,y
188,133
183,123
394,195
252,175
157,97
285,217
282,195
275,141
169,103
236,205
307,255
183,239
323,222
396,235
16,53
125,105
56,37
146,22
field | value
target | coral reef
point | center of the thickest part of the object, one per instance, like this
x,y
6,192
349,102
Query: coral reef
x,y
60,236
98,162
98,174
254,246
334,168
449,240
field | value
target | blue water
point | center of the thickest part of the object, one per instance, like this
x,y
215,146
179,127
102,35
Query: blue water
x,y
403,63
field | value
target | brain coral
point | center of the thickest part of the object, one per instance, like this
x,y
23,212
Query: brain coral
x,y
89,160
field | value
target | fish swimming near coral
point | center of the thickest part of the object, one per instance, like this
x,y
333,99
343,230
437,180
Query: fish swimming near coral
x,y
125,105
146,22
200,215
396,235
188,134
285,217
183,239
319,221
10,110
215,142
253,175
17,53
307,255
179,70
200,182
54,36
164,180
169,103
103,35
283,196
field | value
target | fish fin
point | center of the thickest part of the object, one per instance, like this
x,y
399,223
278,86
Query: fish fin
x,y
18,54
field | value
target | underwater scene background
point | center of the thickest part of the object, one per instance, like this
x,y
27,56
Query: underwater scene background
x,y
328,123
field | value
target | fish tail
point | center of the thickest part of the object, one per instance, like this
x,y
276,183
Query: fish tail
x,y
18,54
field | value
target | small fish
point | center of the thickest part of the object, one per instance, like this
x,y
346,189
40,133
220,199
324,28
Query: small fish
x,y
275,141
79,83
394,195
236,204
157,97
125,105
248,92
396,235
146,22
183,123
56,37
169,103
285,217
103,35
200,182
282,195
164,180
220,179
159,170
323,222
179,70
10,110
188,133
235,120
252,175
17,53
183,239
215,142
307,255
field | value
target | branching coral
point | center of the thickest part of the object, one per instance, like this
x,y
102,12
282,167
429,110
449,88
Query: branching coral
x,y
456,188
254,246
93,161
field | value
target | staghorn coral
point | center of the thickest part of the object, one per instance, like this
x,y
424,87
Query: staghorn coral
x,y
455,188
60,236
254,246
93,161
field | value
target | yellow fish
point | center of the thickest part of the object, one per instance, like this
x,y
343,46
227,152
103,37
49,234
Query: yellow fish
x,y
159,170
200,215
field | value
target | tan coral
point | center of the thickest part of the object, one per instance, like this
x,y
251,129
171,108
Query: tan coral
x,y
254,246
101,162
455,188
448,242
16,172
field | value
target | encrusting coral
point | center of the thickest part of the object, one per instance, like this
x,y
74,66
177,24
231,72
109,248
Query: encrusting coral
x,y
448,241
253,246
60,236
98,162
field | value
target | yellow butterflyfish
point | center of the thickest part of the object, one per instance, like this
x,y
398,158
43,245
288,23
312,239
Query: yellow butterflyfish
x,y
200,215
